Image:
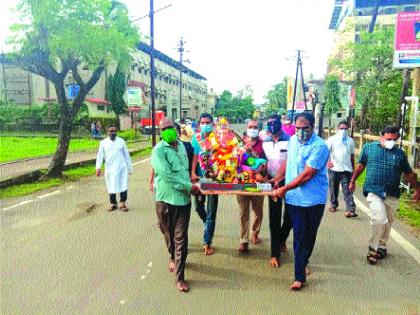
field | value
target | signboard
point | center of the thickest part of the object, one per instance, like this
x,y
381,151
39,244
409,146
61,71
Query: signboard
x,y
300,105
72,91
407,40
134,97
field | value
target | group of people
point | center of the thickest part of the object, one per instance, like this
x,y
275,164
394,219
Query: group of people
x,y
301,168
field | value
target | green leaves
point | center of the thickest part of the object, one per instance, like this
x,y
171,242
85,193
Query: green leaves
x,y
276,98
332,94
239,107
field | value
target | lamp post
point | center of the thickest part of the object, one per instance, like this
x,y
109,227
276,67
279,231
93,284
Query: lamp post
x,y
152,73
181,53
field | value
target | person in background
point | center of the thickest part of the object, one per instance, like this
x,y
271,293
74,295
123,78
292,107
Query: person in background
x,y
305,191
287,125
384,163
93,129
208,216
117,167
275,150
341,166
98,128
254,148
172,190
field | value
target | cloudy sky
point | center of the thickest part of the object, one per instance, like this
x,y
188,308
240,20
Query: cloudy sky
x,y
236,42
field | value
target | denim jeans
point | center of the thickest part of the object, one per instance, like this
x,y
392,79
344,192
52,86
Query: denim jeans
x,y
207,216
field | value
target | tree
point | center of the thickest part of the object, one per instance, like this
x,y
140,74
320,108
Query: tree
x,y
332,95
59,37
277,98
237,107
115,89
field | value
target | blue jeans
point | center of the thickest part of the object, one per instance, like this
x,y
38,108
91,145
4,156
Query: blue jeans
x,y
306,221
208,217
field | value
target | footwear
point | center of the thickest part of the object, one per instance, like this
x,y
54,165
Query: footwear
x,y
349,214
332,209
372,256
381,253
123,207
297,285
182,286
283,247
112,207
208,250
275,262
307,271
256,240
243,248
171,266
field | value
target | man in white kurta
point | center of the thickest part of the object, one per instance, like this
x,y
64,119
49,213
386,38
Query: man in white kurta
x,y
117,167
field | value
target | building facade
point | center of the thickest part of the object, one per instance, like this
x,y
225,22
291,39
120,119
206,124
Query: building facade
x,y
19,86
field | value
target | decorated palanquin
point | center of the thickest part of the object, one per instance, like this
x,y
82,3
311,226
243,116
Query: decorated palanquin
x,y
227,164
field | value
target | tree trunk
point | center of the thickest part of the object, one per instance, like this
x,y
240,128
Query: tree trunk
x,y
58,161
404,93
374,16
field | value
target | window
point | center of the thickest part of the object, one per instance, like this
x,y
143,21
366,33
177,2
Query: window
x,y
357,38
410,8
100,107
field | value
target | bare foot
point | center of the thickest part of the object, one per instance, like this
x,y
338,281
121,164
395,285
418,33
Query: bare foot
x,y
297,285
274,262
171,266
208,250
307,271
182,286
256,240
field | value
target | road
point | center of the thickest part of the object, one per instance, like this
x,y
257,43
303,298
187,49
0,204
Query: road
x,y
62,253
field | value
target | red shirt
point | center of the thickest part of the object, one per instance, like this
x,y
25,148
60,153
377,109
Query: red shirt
x,y
257,150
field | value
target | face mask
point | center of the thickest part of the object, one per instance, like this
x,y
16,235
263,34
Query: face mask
x,y
286,122
169,135
252,133
206,128
343,132
389,144
112,136
274,127
303,135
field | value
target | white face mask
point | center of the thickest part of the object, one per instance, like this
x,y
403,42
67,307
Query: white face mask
x,y
252,133
389,144
343,132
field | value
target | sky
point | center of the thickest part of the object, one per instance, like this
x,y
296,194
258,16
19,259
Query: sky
x,y
234,43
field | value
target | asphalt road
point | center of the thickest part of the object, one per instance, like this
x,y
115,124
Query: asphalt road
x,y
62,253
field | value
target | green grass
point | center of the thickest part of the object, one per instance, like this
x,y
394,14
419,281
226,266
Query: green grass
x,y
14,148
25,189
409,211
69,175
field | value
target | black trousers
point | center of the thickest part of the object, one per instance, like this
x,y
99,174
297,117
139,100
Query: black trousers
x,y
113,197
335,178
278,232
173,223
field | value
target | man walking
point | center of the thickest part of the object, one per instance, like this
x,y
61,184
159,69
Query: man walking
x,y
384,163
275,150
117,167
207,216
306,191
341,165
254,148
172,194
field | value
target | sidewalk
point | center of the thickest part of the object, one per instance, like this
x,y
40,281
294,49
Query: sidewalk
x,y
13,169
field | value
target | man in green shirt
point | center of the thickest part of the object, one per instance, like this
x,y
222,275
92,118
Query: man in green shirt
x,y
173,189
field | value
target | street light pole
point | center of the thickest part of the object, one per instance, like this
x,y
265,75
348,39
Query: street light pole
x,y
152,73
294,90
181,51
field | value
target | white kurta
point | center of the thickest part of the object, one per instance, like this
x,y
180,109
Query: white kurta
x,y
117,164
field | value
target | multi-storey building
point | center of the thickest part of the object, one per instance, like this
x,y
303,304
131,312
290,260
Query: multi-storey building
x,y
19,86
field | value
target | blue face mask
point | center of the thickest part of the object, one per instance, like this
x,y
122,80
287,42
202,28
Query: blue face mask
x,y
206,128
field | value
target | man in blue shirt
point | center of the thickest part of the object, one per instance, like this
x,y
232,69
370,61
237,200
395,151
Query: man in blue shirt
x,y
305,191
209,216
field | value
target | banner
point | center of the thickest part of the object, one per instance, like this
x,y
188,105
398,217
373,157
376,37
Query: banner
x,y
134,97
407,40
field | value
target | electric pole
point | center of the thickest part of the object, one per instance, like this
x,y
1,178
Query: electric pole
x,y
298,67
152,73
181,54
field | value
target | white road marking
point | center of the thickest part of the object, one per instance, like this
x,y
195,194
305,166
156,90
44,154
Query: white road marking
x,y
70,187
17,205
408,247
122,301
142,161
150,264
49,194
143,277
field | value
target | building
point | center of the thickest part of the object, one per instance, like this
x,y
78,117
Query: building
x,y
351,17
19,86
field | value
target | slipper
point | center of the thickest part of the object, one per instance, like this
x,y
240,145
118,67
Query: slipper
x,y
124,208
297,285
182,286
349,215
112,207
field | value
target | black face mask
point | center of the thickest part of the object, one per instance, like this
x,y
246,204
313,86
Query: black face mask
x,y
112,135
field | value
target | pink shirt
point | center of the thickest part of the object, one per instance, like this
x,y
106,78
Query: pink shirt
x,y
289,129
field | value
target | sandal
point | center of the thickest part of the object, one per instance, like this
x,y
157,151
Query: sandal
x,y
124,208
112,207
349,214
297,285
372,256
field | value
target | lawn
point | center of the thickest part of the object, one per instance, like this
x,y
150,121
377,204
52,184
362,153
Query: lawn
x,y
14,148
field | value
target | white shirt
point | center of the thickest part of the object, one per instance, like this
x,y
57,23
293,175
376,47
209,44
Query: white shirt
x,y
340,152
276,154
117,164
